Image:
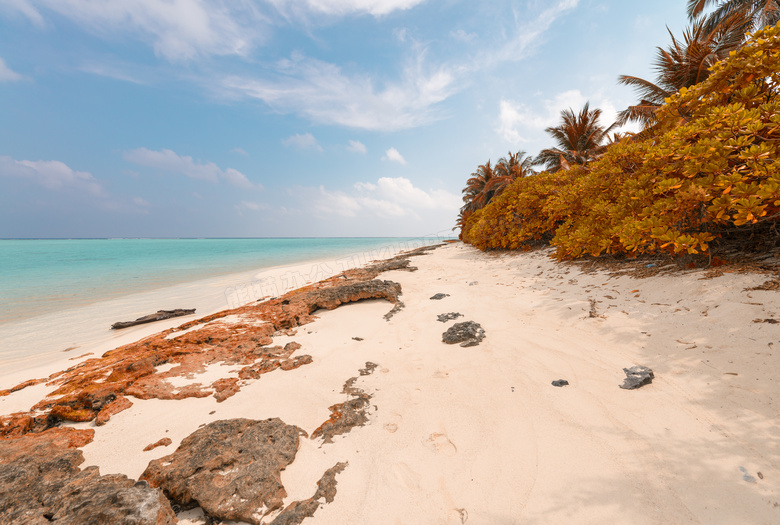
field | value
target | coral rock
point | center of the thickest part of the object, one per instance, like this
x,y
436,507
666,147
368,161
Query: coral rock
x,y
467,334
230,468
637,376
41,482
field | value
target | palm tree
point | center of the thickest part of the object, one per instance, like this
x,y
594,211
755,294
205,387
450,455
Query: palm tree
x,y
753,14
477,192
683,64
579,137
508,169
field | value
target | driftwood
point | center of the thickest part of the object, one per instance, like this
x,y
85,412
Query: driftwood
x,y
159,316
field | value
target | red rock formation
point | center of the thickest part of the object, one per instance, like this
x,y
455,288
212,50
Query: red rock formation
x,y
96,388
41,482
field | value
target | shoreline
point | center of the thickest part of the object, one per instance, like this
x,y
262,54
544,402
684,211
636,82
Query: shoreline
x,y
85,329
456,435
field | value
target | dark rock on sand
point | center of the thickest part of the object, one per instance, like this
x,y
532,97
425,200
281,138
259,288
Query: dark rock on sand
x,y
448,317
349,414
439,296
159,316
467,334
560,382
41,482
637,376
230,468
297,511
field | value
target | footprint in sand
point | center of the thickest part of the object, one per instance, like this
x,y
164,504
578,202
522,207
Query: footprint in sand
x,y
392,426
441,444
458,516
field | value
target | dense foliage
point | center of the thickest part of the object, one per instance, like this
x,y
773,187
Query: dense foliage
x,y
708,167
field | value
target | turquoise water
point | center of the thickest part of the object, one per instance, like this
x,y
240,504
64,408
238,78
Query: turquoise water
x,y
43,276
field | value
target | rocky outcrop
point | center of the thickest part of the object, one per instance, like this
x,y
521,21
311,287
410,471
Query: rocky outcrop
x,y
467,334
349,414
443,318
41,482
230,468
637,376
161,315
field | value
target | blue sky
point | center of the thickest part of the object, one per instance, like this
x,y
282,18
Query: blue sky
x,y
262,118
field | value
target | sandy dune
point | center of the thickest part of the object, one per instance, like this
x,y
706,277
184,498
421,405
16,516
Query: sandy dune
x,y
479,435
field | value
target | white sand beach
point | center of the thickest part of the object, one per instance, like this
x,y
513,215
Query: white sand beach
x,y
479,435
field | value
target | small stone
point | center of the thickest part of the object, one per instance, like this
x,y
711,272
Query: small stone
x,y
467,333
560,382
357,338
637,376
164,442
439,296
443,318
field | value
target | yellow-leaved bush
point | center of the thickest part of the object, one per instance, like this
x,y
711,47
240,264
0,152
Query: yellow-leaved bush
x,y
710,164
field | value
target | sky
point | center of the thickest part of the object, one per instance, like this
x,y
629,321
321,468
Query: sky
x,y
291,118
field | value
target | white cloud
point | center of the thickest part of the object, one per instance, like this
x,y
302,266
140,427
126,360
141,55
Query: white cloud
x,y
141,202
7,74
240,151
178,30
302,141
325,94
167,160
463,36
51,174
25,8
516,118
388,197
393,155
344,7
514,115
250,206
357,146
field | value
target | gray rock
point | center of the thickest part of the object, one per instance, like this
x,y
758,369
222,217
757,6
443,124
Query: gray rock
x,y
637,376
467,333
230,468
448,317
439,296
159,316
560,382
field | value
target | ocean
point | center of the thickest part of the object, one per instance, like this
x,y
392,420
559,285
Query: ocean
x,y
59,298
49,275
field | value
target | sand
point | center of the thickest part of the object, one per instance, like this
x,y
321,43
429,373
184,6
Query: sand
x,y
479,435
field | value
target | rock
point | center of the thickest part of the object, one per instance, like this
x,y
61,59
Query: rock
x,y
439,296
230,468
114,407
164,442
349,414
560,382
357,338
637,376
297,511
159,316
467,334
41,482
443,318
